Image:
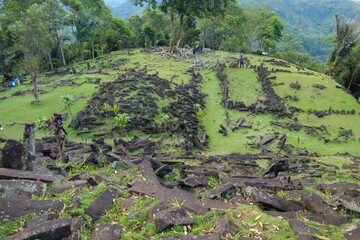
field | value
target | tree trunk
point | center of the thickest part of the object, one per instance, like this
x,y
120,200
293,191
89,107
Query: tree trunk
x,y
61,48
174,42
51,64
93,49
36,90
172,26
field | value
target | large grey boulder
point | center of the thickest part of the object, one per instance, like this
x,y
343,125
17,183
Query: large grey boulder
x,y
13,155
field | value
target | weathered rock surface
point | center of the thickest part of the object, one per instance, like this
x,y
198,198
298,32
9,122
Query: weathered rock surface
x,y
191,182
69,185
273,200
158,207
349,203
172,217
14,208
223,190
353,232
315,204
212,236
55,229
276,168
101,204
107,231
12,188
13,155
224,226
300,227
6,173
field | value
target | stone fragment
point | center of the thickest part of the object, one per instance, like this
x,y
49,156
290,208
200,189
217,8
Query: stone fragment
x,y
35,221
353,232
69,185
101,204
276,168
158,207
315,204
224,227
223,190
172,217
300,227
191,182
14,208
13,155
210,236
29,137
121,159
266,140
273,200
31,187
55,229
352,204
6,173
107,231
148,173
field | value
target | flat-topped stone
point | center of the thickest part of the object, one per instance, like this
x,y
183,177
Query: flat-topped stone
x,y
14,208
32,187
6,173
69,185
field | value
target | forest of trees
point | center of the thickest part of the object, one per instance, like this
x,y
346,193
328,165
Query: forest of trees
x,y
42,35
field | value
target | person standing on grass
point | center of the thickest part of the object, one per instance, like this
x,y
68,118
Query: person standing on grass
x,y
242,62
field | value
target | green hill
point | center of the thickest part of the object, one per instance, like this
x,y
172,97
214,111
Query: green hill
x,y
243,87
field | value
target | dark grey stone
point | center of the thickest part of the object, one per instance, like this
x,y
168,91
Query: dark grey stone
x,y
69,185
101,204
172,217
13,155
6,173
14,208
224,226
223,190
107,232
26,186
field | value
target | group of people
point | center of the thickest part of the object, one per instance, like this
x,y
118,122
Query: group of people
x,y
197,49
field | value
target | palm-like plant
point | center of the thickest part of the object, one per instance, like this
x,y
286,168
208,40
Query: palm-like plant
x,y
122,120
106,108
344,38
115,109
68,100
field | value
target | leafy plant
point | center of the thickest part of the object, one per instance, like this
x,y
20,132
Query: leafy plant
x,y
258,122
200,113
175,203
122,120
213,183
165,119
68,100
106,65
106,108
115,109
248,143
300,139
41,122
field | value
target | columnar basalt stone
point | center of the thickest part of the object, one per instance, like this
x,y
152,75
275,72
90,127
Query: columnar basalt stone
x,y
13,155
29,137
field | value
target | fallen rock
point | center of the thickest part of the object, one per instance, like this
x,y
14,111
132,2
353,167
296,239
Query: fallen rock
x,y
13,155
224,226
191,182
69,185
300,227
6,173
55,229
223,190
210,236
14,208
353,232
30,187
101,204
158,207
349,203
276,168
315,204
273,200
107,231
172,217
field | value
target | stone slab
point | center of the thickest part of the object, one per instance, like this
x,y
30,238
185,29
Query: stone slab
x,y
6,173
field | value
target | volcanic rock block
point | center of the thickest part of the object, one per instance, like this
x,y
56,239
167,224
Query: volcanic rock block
x,y
223,190
148,173
172,217
55,229
275,168
300,227
224,226
121,159
6,173
266,140
69,185
13,155
315,204
338,187
14,208
210,236
163,170
353,232
158,207
273,200
29,137
191,182
107,231
27,186
101,204
349,203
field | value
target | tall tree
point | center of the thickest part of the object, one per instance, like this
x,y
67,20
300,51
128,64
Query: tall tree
x,y
179,9
34,39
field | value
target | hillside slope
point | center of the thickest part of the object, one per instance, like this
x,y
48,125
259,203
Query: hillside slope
x,y
338,110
